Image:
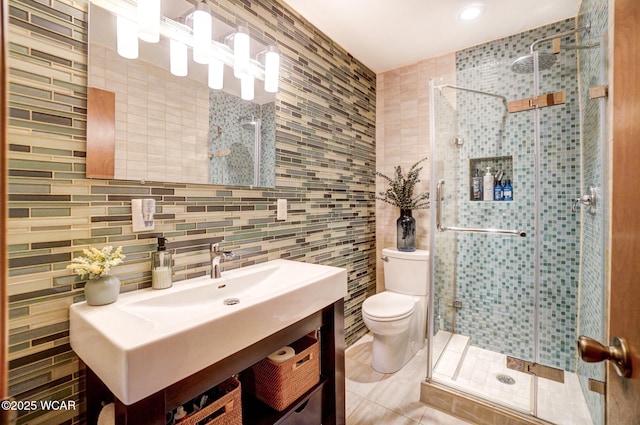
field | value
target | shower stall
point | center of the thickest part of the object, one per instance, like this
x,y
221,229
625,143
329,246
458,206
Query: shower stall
x,y
515,281
241,141
253,128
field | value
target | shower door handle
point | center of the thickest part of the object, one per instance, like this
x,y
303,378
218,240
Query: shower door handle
x,y
592,351
443,228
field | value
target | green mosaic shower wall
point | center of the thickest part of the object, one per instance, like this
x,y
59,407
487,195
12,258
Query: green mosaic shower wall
x,y
591,298
325,115
495,275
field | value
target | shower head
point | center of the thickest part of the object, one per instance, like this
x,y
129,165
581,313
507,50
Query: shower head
x,y
248,122
524,64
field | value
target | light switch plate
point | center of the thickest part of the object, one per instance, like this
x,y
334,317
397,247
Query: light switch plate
x,y
282,209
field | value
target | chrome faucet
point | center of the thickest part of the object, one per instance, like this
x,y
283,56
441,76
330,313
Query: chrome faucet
x,y
216,257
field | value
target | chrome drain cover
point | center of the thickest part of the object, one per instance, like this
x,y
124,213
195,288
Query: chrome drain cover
x,y
505,379
231,301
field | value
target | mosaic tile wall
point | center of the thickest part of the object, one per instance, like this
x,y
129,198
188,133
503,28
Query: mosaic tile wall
x,y
495,274
232,144
593,73
325,157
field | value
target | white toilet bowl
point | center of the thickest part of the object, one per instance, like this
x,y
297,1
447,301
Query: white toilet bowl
x,y
389,316
397,316
388,313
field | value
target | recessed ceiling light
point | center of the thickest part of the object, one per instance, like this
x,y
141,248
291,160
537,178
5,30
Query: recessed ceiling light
x,y
471,12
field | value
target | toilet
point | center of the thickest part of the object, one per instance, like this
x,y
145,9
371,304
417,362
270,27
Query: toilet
x,y
397,317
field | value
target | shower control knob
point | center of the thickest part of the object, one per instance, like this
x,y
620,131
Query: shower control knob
x,y
589,200
591,351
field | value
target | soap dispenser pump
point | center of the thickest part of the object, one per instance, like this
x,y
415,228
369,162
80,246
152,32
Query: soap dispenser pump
x,y
161,272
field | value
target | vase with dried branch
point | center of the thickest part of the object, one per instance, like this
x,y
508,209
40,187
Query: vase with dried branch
x,y
400,194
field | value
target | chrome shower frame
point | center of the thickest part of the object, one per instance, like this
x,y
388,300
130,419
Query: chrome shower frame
x,y
533,52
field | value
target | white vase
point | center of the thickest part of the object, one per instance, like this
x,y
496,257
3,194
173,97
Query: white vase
x,y
102,290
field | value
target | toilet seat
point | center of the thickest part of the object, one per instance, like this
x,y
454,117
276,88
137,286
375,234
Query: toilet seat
x,y
388,306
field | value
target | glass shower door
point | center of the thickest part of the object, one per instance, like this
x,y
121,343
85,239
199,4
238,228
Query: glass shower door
x,y
506,308
573,241
483,270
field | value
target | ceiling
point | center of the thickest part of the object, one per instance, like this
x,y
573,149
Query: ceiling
x,y
386,34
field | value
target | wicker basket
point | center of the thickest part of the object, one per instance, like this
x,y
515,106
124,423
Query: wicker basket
x,y
226,410
280,384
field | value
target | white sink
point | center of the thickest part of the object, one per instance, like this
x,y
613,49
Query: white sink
x,y
150,339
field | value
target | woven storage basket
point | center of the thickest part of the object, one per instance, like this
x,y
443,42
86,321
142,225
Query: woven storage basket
x,y
226,410
280,384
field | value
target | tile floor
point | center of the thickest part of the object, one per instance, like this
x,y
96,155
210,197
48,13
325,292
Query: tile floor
x,y
388,399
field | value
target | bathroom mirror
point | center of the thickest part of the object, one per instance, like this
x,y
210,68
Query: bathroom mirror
x,y
173,129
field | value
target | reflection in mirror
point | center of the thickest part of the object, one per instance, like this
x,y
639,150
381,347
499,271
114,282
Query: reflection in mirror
x,y
176,129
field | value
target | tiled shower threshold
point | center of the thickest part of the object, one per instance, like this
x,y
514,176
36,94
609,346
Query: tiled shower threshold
x,y
483,374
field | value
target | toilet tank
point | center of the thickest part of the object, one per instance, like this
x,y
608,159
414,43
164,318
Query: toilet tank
x,y
406,272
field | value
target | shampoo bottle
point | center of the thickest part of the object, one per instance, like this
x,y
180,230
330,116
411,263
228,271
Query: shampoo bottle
x,y
497,192
476,184
507,192
161,273
487,185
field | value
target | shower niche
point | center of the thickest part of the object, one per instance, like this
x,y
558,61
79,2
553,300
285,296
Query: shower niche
x,y
501,168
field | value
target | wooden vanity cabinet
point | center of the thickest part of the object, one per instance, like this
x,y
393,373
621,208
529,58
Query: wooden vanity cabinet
x,y
329,393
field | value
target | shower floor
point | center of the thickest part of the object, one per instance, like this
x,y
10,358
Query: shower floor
x,y
484,373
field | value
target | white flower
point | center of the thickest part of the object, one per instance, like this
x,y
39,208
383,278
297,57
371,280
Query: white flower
x,y
96,263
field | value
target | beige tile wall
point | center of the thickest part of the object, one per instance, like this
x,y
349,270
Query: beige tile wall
x,y
162,121
402,135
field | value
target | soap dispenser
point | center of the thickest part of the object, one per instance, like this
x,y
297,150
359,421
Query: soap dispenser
x,y
161,273
487,185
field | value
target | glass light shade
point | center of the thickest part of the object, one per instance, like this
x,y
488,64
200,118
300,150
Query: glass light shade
x,y
127,38
241,52
178,58
246,87
471,12
271,70
149,20
216,73
202,33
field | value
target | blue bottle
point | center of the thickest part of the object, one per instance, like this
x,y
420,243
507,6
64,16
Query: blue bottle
x,y
507,191
497,192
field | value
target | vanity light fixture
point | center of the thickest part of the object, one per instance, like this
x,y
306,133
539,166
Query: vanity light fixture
x,y
178,58
271,69
246,87
202,32
149,20
126,38
216,73
241,52
471,12
194,30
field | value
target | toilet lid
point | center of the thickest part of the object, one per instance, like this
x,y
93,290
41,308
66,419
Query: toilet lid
x,y
388,304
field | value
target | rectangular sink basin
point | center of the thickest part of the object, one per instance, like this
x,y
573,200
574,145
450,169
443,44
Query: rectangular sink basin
x,y
150,339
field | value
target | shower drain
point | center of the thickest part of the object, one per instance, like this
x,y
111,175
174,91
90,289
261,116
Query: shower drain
x,y
505,379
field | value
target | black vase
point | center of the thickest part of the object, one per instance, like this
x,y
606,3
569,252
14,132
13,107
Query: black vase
x,y
406,231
